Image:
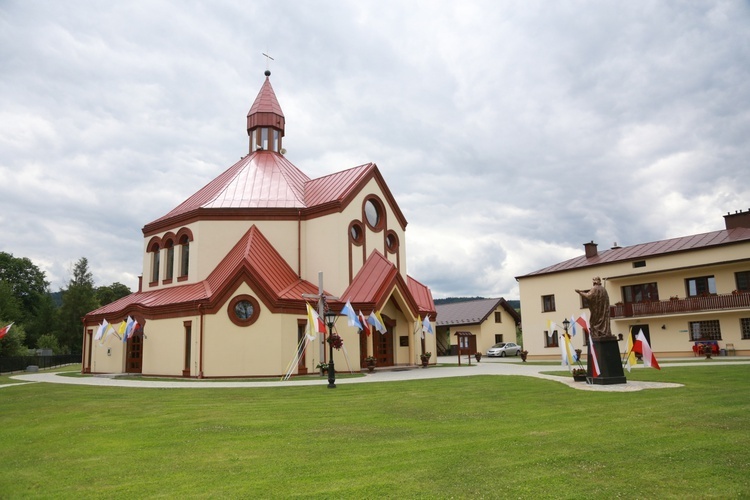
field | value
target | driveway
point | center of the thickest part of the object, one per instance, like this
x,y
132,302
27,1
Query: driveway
x,y
488,366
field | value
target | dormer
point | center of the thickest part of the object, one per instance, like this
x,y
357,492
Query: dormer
x,y
265,120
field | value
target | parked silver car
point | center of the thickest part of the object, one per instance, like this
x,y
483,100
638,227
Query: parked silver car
x,y
503,349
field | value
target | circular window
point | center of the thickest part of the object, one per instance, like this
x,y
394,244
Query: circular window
x,y
243,310
355,233
391,242
373,213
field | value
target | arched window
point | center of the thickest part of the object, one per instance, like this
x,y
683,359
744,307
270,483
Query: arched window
x,y
155,261
184,256
169,271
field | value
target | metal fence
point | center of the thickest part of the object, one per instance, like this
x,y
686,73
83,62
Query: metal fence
x,y
9,364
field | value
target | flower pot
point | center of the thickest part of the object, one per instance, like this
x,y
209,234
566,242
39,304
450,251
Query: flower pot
x,y
425,361
579,378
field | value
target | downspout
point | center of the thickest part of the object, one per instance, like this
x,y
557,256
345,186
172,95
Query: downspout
x,y
200,347
299,243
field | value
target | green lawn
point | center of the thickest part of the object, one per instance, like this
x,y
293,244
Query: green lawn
x,y
480,436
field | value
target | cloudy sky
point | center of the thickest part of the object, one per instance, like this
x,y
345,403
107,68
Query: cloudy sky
x,y
510,133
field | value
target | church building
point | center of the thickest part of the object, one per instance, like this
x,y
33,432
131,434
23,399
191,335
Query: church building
x,y
228,273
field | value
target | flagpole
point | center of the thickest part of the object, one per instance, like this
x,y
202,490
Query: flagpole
x,y
625,359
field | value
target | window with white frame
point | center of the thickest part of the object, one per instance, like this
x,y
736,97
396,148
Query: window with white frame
x,y
704,285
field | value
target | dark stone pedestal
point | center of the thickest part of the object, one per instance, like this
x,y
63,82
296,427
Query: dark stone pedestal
x,y
610,364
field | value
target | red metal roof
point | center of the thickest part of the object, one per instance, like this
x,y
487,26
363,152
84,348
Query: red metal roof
x,y
253,259
336,187
263,179
266,111
653,249
422,296
374,284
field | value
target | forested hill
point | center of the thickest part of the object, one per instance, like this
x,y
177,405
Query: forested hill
x,y
515,304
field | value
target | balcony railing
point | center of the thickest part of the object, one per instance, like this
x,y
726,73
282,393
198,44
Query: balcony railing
x,y
681,306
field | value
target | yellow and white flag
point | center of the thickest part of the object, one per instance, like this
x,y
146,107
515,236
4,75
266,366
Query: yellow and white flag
x,y
630,360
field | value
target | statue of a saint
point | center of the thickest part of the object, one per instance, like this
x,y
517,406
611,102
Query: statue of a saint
x,y
599,308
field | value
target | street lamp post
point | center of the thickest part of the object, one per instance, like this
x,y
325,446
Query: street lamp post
x,y
331,320
566,325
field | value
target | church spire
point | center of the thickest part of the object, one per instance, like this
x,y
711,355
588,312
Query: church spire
x,y
265,120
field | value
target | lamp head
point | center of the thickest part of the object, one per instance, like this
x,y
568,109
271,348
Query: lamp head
x,y
330,318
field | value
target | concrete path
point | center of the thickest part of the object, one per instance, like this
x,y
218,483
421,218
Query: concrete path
x,y
487,366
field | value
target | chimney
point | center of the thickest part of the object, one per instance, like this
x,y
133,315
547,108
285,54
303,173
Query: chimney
x,y
590,249
737,219
140,283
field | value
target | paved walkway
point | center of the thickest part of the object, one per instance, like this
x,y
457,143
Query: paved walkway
x,y
488,366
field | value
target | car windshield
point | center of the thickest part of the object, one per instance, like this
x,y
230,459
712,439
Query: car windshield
x,y
501,344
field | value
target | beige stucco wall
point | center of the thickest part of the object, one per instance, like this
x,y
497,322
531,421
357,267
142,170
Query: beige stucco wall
x,y
668,271
107,355
212,240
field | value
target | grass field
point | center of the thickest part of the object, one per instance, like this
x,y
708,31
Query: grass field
x,y
483,436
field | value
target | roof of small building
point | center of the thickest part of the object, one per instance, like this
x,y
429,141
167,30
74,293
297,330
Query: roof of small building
x,y
652,249
472,312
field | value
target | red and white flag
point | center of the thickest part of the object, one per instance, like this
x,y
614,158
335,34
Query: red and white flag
x,y
594,362
641,346
583,322
365,325
4,330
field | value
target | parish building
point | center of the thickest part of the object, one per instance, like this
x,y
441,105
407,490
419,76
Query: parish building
x,y
228,273
683,293
480,324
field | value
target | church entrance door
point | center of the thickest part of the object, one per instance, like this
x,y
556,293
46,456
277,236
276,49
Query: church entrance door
x,y
382,347
134,353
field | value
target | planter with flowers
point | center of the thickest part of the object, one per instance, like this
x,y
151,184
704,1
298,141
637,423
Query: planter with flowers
x,y
323,367
579,374
425,357
335,340
370,361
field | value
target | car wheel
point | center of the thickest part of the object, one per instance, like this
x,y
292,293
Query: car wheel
x,y
502,354
518,353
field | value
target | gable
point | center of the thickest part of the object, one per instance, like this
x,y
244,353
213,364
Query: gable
x,y
375,283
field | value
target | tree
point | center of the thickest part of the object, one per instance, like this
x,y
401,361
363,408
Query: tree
x,y
42,321
12,344
48,341
108,294
10,306
77,300
27,282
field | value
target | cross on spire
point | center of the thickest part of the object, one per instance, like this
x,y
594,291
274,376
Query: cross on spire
x,y
268,60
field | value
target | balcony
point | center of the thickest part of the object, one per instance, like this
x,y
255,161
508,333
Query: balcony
x,y
681,306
